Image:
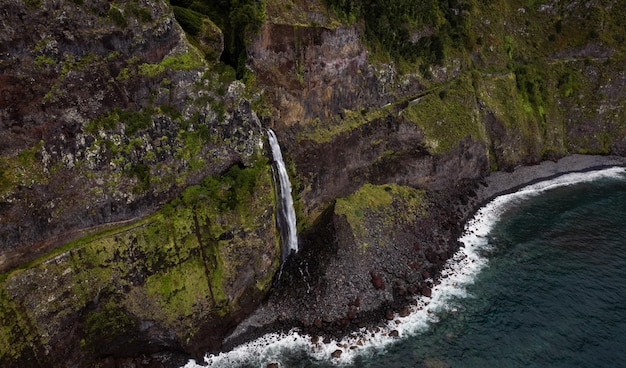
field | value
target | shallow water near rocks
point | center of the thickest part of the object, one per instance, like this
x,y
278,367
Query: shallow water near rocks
x,y
541,281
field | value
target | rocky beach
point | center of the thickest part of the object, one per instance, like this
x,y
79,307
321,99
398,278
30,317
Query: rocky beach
x,y
140,220
305,305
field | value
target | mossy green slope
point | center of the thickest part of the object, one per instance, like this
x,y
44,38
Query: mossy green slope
x,y
373,208
188,263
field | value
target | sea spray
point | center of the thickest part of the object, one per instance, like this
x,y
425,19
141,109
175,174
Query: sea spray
x,y
286,214
458,273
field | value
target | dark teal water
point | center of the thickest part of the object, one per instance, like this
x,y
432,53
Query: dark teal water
x,y
553,294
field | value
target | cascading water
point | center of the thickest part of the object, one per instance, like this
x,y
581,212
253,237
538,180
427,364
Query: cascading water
x,y
286,215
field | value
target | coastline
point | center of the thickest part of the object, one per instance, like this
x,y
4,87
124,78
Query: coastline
x,y
267,320
501,182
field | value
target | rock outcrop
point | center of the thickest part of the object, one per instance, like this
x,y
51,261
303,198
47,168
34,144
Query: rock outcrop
x,y
136,202
136,199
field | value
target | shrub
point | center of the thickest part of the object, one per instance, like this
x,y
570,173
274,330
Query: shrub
x,y
117,17
190,20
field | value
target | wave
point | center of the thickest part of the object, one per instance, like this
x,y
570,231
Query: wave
x,y
458,273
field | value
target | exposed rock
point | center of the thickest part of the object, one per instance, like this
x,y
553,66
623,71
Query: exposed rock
x,y
404,312
336,354
426,291
107,113
377,281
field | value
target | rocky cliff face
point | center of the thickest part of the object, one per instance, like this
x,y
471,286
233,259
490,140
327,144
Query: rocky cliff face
x,y
519,92
133,177
120,135
106,113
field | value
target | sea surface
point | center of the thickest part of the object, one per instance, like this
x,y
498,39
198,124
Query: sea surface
x,y
540,282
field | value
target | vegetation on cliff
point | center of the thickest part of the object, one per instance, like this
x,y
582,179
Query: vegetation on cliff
x,y
374,209
204,256
403,94
238,20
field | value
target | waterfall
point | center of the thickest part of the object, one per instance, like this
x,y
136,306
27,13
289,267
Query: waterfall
x,y
286,215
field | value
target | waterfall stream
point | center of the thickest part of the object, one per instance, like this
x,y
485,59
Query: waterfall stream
x,y
286,215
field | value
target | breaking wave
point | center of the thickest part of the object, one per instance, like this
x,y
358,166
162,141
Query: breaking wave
x,y
286,348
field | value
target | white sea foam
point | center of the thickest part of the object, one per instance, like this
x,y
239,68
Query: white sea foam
x,y
459,272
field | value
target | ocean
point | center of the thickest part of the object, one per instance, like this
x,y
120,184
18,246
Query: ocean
x,y
539,282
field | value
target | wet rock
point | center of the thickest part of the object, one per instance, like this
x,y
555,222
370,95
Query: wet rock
x,y
404,312
336,354
272,365
426,291
394,333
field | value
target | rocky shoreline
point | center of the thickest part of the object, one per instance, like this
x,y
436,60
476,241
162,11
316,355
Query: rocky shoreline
x,y
279,313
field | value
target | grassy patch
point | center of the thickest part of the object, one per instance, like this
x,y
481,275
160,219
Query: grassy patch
x,y
448,116
16,338
23,169
375,207
324,131
187,61
117,17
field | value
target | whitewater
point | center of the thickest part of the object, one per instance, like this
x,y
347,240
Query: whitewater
x,y
286,212
458,273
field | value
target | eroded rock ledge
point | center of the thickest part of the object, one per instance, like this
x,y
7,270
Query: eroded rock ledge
x,y
389,260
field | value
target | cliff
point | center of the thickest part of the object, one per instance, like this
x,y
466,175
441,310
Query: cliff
x,y
136,199
136,202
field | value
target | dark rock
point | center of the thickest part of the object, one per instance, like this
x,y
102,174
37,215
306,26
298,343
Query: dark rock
x,y
317,323
356,302
336,354
377,281
394,333
272,365
404,312
426,291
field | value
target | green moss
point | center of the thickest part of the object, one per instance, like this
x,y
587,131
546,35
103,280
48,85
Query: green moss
x,y
117,16
123,75
16,339
42,59
177,263
142,173
375,207
110,324
134,121
151,70
23,169
238,21
190,20
324,131
33,3
187,61
447,120
179,288
143,14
